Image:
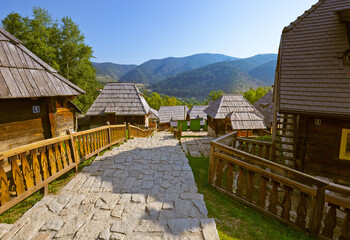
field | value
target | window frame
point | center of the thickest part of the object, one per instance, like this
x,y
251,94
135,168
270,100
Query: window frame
x,y
344,140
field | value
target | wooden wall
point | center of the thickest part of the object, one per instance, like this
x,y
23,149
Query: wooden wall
x,y
216,127
318,148
20,126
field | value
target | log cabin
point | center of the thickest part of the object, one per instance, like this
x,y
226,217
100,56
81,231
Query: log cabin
x,y
153,118
173,116
119,103
265,106
312,107
197,117
35,101
233,112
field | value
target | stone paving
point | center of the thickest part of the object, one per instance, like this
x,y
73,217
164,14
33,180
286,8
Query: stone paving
x,y
143,189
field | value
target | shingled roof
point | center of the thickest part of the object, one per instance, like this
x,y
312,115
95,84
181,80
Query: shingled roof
x,y
154,114
265,106
24,75
313,78
229,103
172,113
197,112
246,120
121,99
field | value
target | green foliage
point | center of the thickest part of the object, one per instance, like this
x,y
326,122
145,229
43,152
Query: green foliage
x,y
61,45
254,95
214,95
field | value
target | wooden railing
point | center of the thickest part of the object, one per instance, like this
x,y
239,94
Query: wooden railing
x,y
314,206
136,132
26,169
178,132
255,147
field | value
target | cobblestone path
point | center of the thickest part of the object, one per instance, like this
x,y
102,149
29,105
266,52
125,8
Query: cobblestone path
x,y
143,189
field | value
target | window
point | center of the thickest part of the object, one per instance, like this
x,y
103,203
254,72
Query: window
x,y
345,145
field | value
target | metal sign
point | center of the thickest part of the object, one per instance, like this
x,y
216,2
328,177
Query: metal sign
x,y
36,109
318,122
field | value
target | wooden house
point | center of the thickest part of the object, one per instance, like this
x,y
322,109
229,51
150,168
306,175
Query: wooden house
x,y
265,106
173,116
35,101
153,118
197,117
230,113
119,103
312,116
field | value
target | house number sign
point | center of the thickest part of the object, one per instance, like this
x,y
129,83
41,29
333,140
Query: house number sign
x,y
36,109
318,122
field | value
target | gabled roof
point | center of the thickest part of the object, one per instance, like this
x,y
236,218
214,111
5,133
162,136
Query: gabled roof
x,y
197,112
172,113
154,114
265,106
229,103
121,99
24,75
246,120
313,78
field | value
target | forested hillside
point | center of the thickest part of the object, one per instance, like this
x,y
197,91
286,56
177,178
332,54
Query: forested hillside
x,y
111,72
158,69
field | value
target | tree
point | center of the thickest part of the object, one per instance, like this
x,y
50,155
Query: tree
x,y
60,44
214,95
254,95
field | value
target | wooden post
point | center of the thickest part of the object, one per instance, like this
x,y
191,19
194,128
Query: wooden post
x,y
316,215
74,150
129,131
109,135
211,165
125,128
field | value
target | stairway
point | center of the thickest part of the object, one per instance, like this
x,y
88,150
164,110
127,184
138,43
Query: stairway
x,y
285,140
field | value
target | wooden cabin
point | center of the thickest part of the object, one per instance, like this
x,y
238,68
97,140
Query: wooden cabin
x,y
119,103
237,109
35,101
265,106
312,84
197,117
173,116
153,118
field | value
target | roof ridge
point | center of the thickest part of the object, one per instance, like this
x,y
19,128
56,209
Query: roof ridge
x,y
10,36
301,17
138,95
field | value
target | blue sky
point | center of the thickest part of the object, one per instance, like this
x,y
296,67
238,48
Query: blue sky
x,y
134,31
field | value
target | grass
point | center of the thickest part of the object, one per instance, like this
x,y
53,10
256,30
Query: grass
x,y
266,138
14,213
233,219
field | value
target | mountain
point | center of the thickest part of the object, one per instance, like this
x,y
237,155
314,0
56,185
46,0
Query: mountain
x,y
248,64
158,69
200,82
111,72
265,72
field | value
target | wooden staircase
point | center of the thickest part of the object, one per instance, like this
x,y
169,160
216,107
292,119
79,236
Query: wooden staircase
x,y
285,140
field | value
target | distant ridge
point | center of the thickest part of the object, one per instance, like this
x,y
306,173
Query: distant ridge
x,y
159,69
111,72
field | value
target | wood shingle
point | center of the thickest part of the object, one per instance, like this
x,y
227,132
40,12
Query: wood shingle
x,y
24,75
172,113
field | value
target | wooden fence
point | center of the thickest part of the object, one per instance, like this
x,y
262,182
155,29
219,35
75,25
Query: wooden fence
x,y
316,207
26,169
136,132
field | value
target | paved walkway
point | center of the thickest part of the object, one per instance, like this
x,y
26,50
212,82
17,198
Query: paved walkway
x,y
143,189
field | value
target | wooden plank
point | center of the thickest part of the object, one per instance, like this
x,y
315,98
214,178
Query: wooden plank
x,y
27,83
316,214
4,89
10,82
19,82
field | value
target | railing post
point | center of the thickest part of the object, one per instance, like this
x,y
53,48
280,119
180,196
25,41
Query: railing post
x,y
129,131
211,165
316,215
75,157
109,135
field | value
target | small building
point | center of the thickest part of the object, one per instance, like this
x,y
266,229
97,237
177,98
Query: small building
x,y
197,117
35,101
265,106
173,116
313,92
153,118
119,103
238,110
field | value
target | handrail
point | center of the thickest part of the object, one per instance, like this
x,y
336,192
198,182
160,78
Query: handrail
x,y
29,168
138,132
309,204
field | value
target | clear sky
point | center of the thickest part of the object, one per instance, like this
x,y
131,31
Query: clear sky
x,y
134,31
